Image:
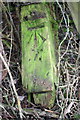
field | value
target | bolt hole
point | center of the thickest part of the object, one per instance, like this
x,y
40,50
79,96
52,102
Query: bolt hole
x,y
40,59
47,74
29,59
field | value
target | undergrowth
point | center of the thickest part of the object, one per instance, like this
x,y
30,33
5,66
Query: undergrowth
x,y
67,104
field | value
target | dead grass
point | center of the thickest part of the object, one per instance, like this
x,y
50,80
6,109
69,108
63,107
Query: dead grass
x,y
67,104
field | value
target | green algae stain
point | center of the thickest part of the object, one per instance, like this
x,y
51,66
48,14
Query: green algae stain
x,y
38,53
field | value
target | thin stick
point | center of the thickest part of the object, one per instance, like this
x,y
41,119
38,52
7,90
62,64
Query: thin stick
x,y
1,67
14,88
